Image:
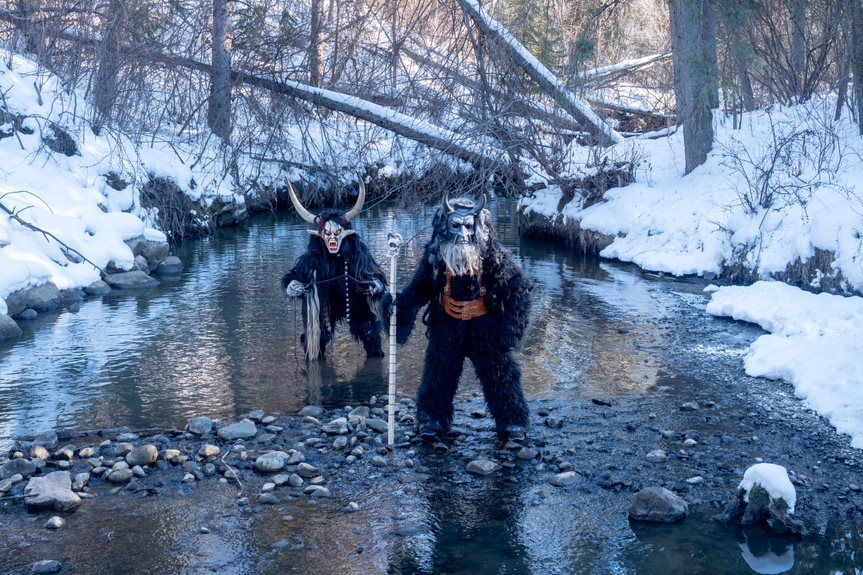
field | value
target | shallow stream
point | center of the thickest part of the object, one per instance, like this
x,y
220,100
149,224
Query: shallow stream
x,y
222,340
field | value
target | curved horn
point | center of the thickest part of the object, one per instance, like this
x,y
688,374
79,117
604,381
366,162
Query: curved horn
x,y
355,211
304,213
479,205
446,203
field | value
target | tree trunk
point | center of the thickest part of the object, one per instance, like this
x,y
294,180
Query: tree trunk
x,y
110,61
857,57
219,105
24,13
693,41
797,33
543,77
316,45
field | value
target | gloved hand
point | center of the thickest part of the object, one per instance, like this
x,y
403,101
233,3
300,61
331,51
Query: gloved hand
x,y
372,287
295,289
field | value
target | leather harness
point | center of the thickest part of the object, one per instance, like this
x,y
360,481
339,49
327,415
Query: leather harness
x,y
463,310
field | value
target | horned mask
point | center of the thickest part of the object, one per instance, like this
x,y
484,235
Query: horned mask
x,y
459,219
331,230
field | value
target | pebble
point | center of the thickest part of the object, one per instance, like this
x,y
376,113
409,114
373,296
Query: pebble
x,y
657,456
482,467
46,566
565,478
55,522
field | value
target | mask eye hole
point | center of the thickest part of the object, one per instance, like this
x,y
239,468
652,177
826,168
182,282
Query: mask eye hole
x,y
337,232
326,232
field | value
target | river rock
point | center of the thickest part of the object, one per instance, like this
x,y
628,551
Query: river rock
x,y
53,491
209,450
19,466
97,289
39,452
296,457
140,263
565,478
362,412
270,462
8,327
6,484
241,430
338,426
172,266
134,279
142,455
45,297
482,467
311,411
120,475
46,566
657,456
153,252
377,425
307,471
47,439
657,504
199,425
55,522
28,314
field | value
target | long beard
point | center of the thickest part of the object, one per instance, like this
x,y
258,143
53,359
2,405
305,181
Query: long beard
x,y
461,259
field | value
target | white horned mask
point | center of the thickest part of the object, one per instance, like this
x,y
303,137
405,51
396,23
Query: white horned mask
x,y
334,227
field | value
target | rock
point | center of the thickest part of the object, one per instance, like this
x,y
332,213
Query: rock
x,y
46,566
6,484
39,452
311,411
53,491
135,279
361,412
8,327
120,475
27,315
171,455
80,481
97,289
151,251
47,439
565,478
295,480
267,499
142,455
199,425
690,406
340,442
377,425
209,451
352,507
338,426
657,456
45,297
307,471
270,462
379,461
657,504
482,467
172,266
55,523
241,430
13,467
140,262
296,458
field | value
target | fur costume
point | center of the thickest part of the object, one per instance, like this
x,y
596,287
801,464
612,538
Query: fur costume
x,y
337,279
465,270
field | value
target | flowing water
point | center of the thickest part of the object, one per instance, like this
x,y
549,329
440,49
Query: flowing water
x,y
222,339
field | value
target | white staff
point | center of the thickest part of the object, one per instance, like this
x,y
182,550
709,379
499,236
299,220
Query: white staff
x,y
394,242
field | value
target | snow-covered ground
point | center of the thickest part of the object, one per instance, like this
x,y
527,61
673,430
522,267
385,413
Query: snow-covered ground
x,y
68,196
694,224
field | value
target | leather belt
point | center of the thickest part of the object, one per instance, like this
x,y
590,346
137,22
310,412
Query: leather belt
x,y
463,310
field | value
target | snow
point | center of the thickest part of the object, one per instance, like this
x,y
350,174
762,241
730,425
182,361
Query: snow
x,y
773,479
698,223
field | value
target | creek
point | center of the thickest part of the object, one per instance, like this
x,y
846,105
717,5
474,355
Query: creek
x,y
612,352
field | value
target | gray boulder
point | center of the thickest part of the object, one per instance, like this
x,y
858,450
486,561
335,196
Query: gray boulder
x,y
8,327
21,467
97,289
134,279
45,297
172,266
241,430
482,467
142,455
657,504
199,425
53,491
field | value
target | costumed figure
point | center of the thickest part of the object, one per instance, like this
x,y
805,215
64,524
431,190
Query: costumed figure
x,y
478,305
337,279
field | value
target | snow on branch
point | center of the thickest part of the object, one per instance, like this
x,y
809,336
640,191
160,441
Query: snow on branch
x,y
537,71
624,66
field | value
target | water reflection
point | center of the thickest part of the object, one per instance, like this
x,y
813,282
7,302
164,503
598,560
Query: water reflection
x,y
764,554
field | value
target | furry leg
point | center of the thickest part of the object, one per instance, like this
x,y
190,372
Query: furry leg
x,y
500,376
369,332
444,361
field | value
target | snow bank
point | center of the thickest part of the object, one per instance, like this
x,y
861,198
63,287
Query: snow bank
x,y
816,343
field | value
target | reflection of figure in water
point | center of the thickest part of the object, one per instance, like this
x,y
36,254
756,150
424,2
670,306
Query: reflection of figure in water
x,y
765,554
478,304
343,382
337,280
